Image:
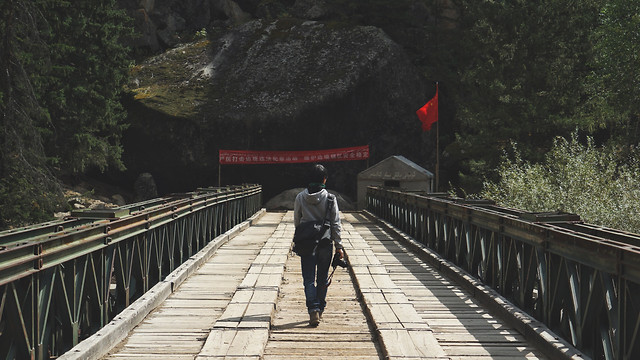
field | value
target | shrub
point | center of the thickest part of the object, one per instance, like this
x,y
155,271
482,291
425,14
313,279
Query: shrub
x,y
574,177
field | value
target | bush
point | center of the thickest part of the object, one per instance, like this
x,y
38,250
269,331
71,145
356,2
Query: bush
x,y
28,197
577,178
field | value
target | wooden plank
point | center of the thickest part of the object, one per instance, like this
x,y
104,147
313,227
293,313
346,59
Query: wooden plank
x,y
462,328
408,316
248,343
179,322
426,343
329,356
486,350
331,337
183,348
258,315
228,358
342,334
399,344
381,313
403,332
492,337
232,315
182,324
124,356
365,281
250,280
268,268
384,282
196,303
227,307
265,296
269,280
466,323
242,330
218,342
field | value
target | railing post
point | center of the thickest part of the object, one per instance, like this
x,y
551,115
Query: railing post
x,y
579,280
56,278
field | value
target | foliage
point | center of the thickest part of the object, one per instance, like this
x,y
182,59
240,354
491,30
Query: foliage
x,y
615,80
201,34
82,85
28,190
574,177
509,71
518,71
62,70
28,197
522,78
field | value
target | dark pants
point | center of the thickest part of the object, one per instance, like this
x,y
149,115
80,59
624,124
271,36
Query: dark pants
x,y
315,287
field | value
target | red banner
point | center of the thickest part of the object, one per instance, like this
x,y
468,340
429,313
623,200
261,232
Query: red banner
x,y
291,157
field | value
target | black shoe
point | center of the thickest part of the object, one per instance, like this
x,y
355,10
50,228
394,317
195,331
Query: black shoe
x,y
314,318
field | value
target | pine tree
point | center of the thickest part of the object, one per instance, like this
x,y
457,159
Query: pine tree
x,y
63,66
28,190
524,78
614,91
83,86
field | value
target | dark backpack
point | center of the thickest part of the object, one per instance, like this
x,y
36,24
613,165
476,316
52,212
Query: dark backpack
x,y
310,234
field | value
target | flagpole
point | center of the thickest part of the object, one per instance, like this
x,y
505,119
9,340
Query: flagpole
x,y
428,114
437,146
437,35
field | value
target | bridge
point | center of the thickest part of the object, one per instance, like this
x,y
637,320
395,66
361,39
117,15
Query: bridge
x,y
210,275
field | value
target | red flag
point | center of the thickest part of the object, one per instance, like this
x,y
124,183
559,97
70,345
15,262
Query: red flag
x,y
428,114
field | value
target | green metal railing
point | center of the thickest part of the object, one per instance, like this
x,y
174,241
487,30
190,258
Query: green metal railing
x,y
581,280
62,281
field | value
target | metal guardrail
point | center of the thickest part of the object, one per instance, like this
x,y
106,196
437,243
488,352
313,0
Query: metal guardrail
x,y
581,280
62,281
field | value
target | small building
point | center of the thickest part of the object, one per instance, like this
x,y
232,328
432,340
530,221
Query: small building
x,y
395,172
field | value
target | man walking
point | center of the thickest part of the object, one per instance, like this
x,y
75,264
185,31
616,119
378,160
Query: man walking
x,y
311,205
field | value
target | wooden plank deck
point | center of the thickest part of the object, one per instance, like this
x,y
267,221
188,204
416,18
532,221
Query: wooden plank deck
x,y
343,332
463,329
180,327
247,302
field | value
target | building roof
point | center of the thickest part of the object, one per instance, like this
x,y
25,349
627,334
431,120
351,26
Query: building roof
x,y
396,167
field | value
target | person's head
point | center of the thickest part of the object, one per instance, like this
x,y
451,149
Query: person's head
x,y
318,174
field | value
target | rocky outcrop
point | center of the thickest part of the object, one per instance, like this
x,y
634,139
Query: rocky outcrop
x,y
162,24
279,85
261,71
145,187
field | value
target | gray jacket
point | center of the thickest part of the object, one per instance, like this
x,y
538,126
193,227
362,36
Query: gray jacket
x,y
312,207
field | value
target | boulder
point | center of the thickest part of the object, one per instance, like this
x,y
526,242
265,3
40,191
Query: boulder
x,y
288,84
145,187
118,200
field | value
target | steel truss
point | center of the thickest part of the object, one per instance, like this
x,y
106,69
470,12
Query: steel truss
x,y
581,280
62,281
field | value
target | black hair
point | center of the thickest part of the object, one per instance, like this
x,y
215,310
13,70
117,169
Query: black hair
x,y
318,174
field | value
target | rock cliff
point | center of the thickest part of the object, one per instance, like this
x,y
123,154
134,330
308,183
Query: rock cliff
x,y
285,84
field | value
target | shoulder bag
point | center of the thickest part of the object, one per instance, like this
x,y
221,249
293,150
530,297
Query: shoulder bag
x,y
310,234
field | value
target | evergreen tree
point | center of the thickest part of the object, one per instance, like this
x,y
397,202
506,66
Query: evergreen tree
x,y
63,67
82,89
523,79
615,81
28,190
